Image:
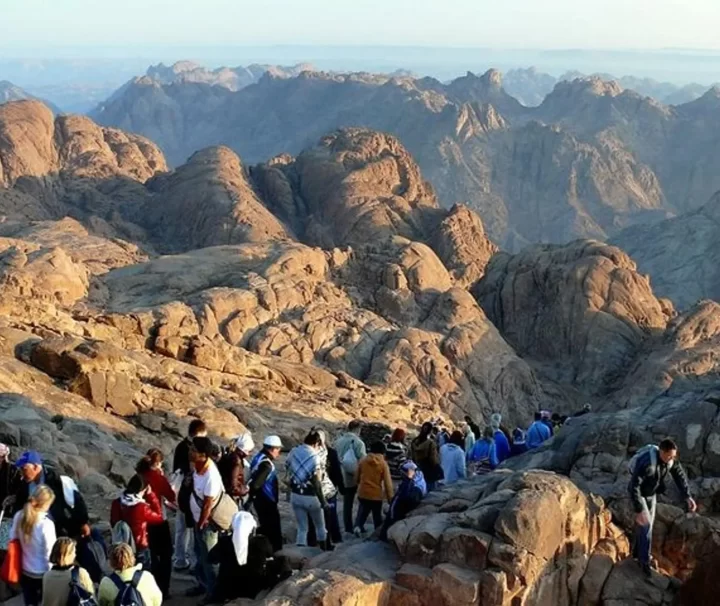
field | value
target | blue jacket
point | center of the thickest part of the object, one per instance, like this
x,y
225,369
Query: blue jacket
x,y
537,433
501,445
452,461
484,450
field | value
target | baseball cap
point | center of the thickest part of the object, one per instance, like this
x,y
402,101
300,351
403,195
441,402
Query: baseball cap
x,y
29,457
272,442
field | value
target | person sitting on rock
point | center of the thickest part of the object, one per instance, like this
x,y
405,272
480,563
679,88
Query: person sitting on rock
x,y
424,452
234,467
264,491
538,432
373,481
452,458
125,571
519,445
502,444
396,453
650,468
483,457
351,449
409,494
469,441
546,418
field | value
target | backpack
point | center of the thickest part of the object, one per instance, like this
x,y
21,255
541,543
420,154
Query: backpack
x,y
122,533
128,594
79,596
652,449
350,461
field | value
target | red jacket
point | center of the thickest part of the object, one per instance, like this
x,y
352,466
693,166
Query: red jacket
x,y
138,516
160,485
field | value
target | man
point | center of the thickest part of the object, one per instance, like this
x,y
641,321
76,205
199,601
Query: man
x,y
475,428
537,433
264,491
207,490
649,468
9,477
351,449
183,518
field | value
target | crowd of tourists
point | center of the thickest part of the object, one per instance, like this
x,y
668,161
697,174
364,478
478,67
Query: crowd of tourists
x,y
227,522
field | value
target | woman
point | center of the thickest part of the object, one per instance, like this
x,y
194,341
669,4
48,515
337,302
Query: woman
x,y
396,453
56,582
452,459
331,479
373,482
424,452
411,491
306,492
502,444
36,532
138,507
469,438
483,457
234,467
124,572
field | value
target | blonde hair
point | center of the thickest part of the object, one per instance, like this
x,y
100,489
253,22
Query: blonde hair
x,y
63,552
38,503
121,557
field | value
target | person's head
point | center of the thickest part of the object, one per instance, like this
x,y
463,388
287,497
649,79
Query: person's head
x,y
313,440
409,469
136,485
668,450
200,452
30,465
144,466
197,429
355,426
457,438
4,453
272,445
39,503
63,552
488,433
538,416
157,458
398,435
244,444
556,417
545,415
468,419
121,557
495,420
587,407
518,436
426,429
377,448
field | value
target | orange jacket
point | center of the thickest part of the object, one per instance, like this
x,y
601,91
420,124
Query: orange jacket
x,y
373,474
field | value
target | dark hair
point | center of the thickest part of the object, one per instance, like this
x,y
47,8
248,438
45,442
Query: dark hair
x,y
135,485
378,448
354,425
144,465
667,445
468,419
313,439
555,416
155,455
457,438
426,428
538,416
196,426
203,445
398,435
488,433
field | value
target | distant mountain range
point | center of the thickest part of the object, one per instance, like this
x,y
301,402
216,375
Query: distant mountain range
x,y
10,92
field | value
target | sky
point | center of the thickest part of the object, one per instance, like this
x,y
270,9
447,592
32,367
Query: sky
x,y
540,24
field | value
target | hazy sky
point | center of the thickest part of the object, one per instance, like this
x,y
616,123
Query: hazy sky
x,y
472,23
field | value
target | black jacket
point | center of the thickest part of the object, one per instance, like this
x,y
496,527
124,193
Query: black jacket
x,y
9,480
67,521
649,479
181,459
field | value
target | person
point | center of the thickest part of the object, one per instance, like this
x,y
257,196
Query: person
x,y
443,437
546,418
424,452
587,407
126,571
9,477
35,531
206,492
474,427
150,469
483,457
372,479
56,582
502,445
183,519
264,491
139,508
234,467
332,482
650,468
519,445
410,492
351,450
306,491
396,453
469,439
452,458
538,432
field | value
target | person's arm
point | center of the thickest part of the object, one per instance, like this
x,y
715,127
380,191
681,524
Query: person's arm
x,y
80,516
387,479
357,473
317,485
48,537
258,479
236,477
678,473
164,489
152,511
360,449
335,470
493,456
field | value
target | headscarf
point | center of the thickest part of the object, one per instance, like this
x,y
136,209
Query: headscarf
x,y
244,442
495,421
418,480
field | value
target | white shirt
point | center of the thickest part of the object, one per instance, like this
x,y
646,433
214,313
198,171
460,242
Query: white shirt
x,y
209,484
36,551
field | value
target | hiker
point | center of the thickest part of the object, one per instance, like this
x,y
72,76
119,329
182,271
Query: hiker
x,y
424,452
9,478
373,480
469,438
502,444
452,458
474,427
207,491
138,507
443,437
331,479
537,433
264,491
649,468
129,578
410,492
234,467
59,580
519,445
546,418
35,530
306,492
183,518
396,453
483,457
587,407
351,449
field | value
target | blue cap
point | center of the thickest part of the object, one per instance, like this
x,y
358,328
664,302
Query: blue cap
x,y
29,457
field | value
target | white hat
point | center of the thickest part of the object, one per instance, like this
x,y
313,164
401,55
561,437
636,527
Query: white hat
x,y
245,443
272,442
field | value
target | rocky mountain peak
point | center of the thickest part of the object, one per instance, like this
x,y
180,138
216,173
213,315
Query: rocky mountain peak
x,y
492,78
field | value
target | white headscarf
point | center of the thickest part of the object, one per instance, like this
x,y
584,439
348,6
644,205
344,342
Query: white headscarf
x,y
245,443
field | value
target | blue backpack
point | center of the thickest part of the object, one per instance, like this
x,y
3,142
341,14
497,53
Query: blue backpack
x,y
128,594
79,596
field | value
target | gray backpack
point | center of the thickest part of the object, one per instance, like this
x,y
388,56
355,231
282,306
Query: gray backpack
x,y
121,533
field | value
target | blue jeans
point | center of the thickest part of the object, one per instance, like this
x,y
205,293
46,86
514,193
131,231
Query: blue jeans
x,y
643,534
305,507
205,540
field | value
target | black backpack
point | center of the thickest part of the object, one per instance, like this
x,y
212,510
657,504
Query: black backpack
x,y
128,594
79,596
